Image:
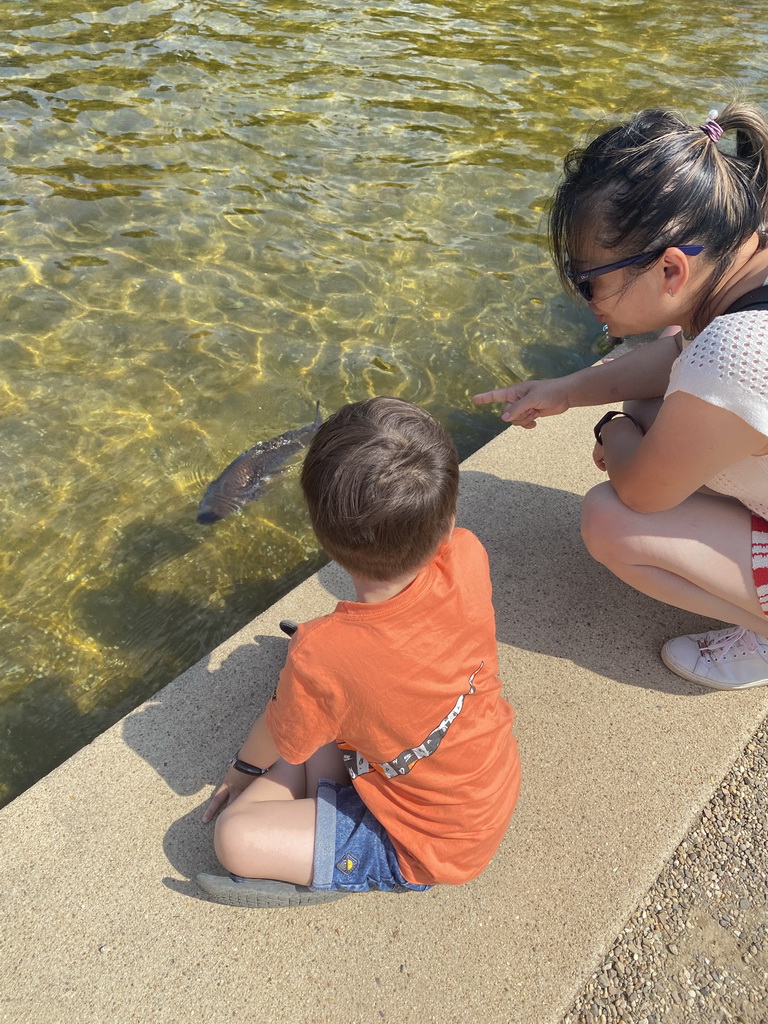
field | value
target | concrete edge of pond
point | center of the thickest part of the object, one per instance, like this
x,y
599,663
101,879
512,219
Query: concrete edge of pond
x,y
101,921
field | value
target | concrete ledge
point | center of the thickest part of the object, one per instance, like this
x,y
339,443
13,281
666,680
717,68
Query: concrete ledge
x,y
100,922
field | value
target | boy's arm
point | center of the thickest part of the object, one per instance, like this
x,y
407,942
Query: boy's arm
x,y
258,750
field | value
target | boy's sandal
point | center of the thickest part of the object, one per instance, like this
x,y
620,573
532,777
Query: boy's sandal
x,y
263,892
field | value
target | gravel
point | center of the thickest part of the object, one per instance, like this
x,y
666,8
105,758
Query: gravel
x,y
696,950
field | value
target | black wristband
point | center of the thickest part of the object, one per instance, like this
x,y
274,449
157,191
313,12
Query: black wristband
x,y
607,419
245,768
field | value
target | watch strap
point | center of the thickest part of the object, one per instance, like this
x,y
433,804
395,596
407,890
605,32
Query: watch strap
x,y
607,419
245,767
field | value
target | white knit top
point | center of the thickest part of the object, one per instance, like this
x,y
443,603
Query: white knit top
x,y
727,366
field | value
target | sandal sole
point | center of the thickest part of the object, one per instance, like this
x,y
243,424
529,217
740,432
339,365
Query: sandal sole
x,y
263,892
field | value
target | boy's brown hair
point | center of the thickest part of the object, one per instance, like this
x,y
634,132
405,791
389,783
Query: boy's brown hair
x,y
381,479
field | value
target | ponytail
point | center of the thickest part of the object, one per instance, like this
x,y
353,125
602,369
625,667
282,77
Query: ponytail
x,y
751,130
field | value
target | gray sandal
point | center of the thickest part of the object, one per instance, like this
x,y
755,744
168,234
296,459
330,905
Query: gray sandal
x,y
263,892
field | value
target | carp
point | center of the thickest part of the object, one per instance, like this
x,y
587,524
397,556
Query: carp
x,y
244,479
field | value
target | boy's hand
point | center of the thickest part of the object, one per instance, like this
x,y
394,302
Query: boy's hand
x,y
233,784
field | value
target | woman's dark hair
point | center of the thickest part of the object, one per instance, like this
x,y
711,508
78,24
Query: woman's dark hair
x,y
381,480
656,182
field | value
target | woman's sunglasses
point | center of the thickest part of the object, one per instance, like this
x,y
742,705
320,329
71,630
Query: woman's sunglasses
x,y
582,280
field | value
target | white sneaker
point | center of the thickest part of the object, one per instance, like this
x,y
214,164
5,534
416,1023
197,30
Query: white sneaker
x,y
726,659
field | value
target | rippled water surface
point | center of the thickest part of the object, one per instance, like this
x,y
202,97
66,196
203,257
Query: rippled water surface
x,y
216,213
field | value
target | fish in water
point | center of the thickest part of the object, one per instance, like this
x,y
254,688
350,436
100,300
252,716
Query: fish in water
x,y
243,480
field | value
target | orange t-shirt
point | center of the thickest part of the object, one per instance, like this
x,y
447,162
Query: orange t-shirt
x,y
410,685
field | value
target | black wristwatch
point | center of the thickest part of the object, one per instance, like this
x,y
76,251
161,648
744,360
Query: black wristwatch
x,y
244,767
607,419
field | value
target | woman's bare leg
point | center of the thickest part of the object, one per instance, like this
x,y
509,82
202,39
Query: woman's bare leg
x,y
644,410
696,556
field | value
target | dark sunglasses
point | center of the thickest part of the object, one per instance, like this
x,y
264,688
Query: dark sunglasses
x,y
583,278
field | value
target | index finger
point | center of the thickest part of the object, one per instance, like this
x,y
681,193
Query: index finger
x,y
500,395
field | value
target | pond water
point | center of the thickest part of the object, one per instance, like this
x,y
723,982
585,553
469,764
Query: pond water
x,y
215,214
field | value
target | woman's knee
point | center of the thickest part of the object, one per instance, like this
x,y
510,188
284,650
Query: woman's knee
x,y
644,410
604,523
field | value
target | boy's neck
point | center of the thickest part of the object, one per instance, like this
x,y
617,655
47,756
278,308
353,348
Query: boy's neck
x,y
375,591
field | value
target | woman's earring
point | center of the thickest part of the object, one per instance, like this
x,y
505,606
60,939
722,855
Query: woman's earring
x,y
671,293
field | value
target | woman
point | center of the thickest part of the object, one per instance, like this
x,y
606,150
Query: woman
x,y
656,223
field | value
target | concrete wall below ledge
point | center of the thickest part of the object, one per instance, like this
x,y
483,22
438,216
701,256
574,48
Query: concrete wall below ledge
x,y
101,923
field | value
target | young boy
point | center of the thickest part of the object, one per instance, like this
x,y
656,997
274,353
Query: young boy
x,y
396,691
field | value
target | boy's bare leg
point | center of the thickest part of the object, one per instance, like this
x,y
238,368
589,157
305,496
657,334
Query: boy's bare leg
x,y
268,839
269,831
283,781
326,763
286,781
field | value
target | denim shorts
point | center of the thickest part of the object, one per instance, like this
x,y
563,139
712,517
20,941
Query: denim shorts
x,y
352,849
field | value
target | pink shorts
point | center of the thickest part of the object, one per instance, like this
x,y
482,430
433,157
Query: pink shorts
x,y
760,559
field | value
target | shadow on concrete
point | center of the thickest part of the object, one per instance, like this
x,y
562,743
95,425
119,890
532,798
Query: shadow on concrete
x,y
206,711
188,845
188,732
190,890
551,596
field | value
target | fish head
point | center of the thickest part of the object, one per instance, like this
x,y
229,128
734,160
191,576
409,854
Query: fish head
x,y
216,505
208,516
